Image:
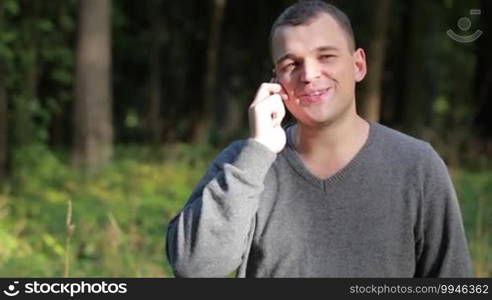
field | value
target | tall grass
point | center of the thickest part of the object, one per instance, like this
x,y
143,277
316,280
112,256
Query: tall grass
x,y
70,228
115,222
474,190
57,222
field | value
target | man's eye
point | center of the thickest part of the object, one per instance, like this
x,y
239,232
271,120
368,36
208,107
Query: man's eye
x,y
327,57
288,67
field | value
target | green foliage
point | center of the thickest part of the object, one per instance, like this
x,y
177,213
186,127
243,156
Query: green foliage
x,y
120,214
474,190
37,53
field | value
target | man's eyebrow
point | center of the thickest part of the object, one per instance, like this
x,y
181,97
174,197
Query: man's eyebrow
x,y
327,48
319,49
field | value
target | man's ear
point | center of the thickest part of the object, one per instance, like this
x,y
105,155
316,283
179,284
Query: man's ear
x,y
360,65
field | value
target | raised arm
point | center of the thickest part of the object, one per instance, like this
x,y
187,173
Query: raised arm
x,y
212,233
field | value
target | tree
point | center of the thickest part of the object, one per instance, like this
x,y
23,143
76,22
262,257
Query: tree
x,y
3,126
413,94
483,75
204,124
156,42
376,59
93,103
25,102
3,111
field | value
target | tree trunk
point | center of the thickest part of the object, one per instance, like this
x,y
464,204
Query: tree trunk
x,y
202,127
155,74
93,104
23,130
483,90
3,129
376,59
59,132
155,97
413,93
3,113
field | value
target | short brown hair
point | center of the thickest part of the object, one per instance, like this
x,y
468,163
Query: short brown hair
x,y
303,11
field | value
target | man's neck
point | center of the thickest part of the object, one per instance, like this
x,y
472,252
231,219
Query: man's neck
x,y
326,150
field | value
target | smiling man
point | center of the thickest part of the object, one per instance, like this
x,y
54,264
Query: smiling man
x,y
333,195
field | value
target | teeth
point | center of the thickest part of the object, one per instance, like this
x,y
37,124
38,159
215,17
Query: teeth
x,y
316,93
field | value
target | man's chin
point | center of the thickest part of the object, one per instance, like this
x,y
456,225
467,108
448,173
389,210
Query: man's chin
x,y
316,121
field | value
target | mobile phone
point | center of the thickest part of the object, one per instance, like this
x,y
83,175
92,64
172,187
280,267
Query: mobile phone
x,y
274,79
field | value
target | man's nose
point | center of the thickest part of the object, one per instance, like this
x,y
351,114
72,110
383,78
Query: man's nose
x,y
310,71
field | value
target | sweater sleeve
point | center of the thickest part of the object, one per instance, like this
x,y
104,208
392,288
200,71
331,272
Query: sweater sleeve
x,y
442,249
210,235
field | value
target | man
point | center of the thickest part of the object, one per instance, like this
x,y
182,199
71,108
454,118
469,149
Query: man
x,y
334,195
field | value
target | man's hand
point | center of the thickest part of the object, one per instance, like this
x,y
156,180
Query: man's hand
x,y
265,117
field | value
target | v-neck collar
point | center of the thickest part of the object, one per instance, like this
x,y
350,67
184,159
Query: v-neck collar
x,y
298,165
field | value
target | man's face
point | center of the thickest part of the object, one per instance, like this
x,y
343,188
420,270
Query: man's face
x,y
318,70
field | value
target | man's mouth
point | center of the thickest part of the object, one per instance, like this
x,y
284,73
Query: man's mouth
x,y
313,96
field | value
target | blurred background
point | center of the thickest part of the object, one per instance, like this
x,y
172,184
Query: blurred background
x,y
111,111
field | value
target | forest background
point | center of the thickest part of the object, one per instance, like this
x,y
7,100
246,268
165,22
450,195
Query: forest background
x,y
111,111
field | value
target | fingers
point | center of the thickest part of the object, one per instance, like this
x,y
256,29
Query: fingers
x,y
265,116
278,116
271,107
272,102
284,95
266,90
282,92
269,103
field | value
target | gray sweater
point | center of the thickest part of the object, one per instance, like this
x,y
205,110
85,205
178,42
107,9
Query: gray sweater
x,y
391,212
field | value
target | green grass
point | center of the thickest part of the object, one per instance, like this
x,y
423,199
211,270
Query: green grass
x,y
119,215
474,189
